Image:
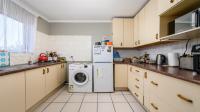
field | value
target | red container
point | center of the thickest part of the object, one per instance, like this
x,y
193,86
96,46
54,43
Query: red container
x,y
43,57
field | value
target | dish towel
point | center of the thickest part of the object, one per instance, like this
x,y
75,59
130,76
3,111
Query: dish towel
x,y
4,59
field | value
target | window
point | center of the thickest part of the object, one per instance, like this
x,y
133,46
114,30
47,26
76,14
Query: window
x,y
17,28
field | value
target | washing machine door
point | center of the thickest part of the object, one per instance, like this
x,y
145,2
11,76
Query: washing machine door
x,y
80,78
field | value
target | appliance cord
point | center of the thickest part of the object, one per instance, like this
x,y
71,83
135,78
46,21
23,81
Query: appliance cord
x,y
186,47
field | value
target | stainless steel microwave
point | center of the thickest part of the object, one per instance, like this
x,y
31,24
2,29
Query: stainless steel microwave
x,y
186,22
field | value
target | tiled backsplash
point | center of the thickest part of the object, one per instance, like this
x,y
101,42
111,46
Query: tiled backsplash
x,y
176,47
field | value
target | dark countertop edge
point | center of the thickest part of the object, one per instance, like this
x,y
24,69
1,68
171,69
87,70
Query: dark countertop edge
x,y
29,67
165,73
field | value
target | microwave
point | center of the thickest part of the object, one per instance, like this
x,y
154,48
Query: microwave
x,y
186,22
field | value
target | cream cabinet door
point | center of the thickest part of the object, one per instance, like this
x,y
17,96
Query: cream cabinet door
x,y
128,32
146,91
151,22
142,29
51,78
35,86
12,93
121,76
118,32
61,74
130,79
136,30
165,5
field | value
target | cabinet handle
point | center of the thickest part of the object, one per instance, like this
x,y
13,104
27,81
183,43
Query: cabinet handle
x,y
63,66
145,75
136,95
137,87
155,107
156,36
135,43
154,83
171,1
121,44
47,70
44,71
184,98
137,79
137,70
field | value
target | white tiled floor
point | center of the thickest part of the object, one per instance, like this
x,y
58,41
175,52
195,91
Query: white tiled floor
x,y
63,101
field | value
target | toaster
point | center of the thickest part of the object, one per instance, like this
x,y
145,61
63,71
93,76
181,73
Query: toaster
x,y
186,62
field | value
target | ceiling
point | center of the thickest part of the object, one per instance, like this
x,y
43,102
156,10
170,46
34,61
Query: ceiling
x,y
84,10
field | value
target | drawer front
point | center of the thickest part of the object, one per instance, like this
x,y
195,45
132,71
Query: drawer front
x,y
157,105
138,76
139,96
138,88
183,95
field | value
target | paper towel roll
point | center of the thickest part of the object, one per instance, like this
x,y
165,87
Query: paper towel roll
x,y
173,59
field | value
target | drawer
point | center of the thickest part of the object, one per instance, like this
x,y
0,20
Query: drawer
x,y
138,75
182,95
157,105
138,88
139,96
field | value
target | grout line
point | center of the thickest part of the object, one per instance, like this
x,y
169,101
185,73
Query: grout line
x,y
66,103
52,100
112,103
127,101
82,102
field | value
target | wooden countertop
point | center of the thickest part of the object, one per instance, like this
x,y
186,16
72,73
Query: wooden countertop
x,y
175,72
24,67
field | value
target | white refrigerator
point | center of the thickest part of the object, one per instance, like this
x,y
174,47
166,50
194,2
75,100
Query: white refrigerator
x,y
103,68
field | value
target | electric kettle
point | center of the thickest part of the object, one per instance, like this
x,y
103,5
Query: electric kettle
x,y
160,59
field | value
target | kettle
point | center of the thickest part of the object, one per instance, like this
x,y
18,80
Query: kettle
x,y
160,59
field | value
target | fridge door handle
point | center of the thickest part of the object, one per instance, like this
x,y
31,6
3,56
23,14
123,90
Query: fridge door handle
x,y
97,72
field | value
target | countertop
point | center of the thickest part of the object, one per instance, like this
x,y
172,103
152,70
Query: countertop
x,y
24,67
175,72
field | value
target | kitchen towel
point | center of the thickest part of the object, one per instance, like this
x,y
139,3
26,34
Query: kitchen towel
x,y
4,59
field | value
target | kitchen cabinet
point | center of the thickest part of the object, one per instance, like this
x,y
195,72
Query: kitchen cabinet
x,y
12,93
128,33
51,78
35,86
62,74
118,34
130,79
123,32
136,30
121,76
152,21
165,5
146,25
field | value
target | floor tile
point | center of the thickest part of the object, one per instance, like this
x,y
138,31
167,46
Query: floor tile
x,y
130,98
54,107
105,107
90,98
118,98
126,92
137,107
41,107
88,107
104,98
71,107
75,98
62,98
122,107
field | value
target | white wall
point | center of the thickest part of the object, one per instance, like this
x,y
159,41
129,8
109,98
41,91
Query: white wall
x,y
79,47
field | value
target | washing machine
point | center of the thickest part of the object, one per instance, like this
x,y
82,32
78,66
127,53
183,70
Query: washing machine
x,y
80,77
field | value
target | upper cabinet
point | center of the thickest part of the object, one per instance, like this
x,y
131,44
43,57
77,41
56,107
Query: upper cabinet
x,y
146,24
164,5
123,32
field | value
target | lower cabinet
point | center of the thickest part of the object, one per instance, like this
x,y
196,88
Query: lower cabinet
x,y
35,86
121,76
12,95
62,74
160,93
